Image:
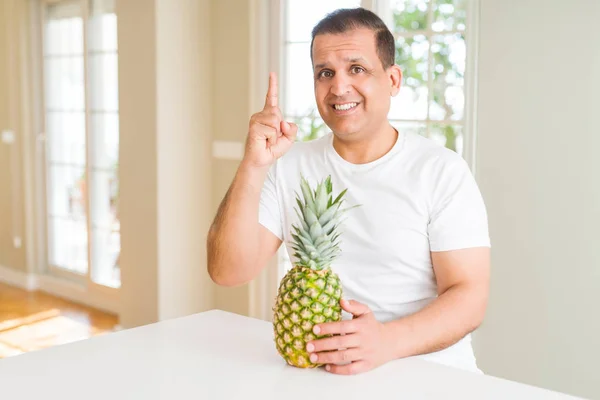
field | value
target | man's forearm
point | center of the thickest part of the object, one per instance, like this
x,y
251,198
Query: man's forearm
x,y
233,237
454,314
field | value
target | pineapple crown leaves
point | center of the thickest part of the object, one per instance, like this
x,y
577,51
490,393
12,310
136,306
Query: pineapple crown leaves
x,y
316,239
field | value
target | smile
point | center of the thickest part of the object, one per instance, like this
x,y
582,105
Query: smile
x,y
345,107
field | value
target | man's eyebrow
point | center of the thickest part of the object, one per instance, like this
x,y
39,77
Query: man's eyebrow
x,y
347,59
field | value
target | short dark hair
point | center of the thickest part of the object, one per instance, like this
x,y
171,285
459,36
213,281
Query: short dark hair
x,y
346,19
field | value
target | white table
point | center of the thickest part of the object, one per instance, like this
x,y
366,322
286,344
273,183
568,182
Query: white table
x,y
219,355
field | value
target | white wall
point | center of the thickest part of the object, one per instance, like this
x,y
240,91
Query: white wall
x,y
539,170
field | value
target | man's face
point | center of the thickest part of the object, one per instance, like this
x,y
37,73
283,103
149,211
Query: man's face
x,y
352,89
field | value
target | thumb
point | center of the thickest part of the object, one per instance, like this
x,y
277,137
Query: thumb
x,y
354,307
289,130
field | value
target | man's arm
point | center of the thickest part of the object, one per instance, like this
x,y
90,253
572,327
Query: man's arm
x,y
463,287
238,245
366,343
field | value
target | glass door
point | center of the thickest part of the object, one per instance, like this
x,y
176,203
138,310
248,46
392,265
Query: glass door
x,y
82,140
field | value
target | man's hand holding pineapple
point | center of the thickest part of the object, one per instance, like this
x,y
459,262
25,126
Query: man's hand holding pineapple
x,y
403,269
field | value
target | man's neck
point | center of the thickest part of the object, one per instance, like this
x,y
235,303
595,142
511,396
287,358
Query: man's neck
x,y
370,147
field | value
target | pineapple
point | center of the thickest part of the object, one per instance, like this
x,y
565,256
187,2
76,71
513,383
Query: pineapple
x,y
310,292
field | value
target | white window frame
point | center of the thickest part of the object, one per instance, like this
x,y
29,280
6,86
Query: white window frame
x,y
271,14
62,283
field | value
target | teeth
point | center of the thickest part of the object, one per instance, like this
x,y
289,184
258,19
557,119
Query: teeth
x,y
344,107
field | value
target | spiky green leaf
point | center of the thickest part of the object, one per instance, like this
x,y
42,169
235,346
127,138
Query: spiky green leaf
x,y
320,240
339,197
328,215
311,218
330,226
323,246
316,230
321,199
308,197
328,185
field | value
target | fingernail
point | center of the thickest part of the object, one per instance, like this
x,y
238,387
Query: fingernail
x,y
313,358
327,367
344,302
310,347
287,125
316,330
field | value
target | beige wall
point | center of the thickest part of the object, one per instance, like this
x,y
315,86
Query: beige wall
x,y
539,171
199,90
185,169
13,16
231,91
201,93
138,162
165,96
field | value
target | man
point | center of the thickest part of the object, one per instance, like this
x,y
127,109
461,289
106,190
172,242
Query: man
x,y
415,255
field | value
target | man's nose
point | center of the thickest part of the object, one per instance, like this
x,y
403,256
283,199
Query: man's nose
x,y
340,85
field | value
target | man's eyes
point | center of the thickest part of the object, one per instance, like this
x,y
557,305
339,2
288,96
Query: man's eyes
x,y
328,74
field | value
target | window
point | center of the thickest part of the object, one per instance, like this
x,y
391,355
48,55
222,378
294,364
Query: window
x,y
79,50
430,50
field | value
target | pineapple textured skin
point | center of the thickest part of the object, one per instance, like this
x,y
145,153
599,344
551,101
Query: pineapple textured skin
x,y
306,297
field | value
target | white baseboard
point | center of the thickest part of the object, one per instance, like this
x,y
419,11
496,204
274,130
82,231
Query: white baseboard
x,y
17,278
100,299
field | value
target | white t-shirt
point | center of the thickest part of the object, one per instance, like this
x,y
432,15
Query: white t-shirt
x,y
419,197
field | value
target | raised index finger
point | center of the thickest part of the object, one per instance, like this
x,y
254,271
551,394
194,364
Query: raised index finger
x,y
271,100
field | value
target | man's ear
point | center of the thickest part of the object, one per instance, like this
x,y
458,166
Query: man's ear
x,y
395,75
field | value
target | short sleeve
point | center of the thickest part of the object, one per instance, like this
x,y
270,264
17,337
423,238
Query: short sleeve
x,y
269,214
458,216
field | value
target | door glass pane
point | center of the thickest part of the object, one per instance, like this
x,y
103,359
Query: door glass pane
x,y
72,194
64,82
68,244
66,138
106,228
103,26
104,134
68,196
65,134
104,87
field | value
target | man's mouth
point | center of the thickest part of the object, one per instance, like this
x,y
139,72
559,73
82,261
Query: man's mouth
x,y
344,106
